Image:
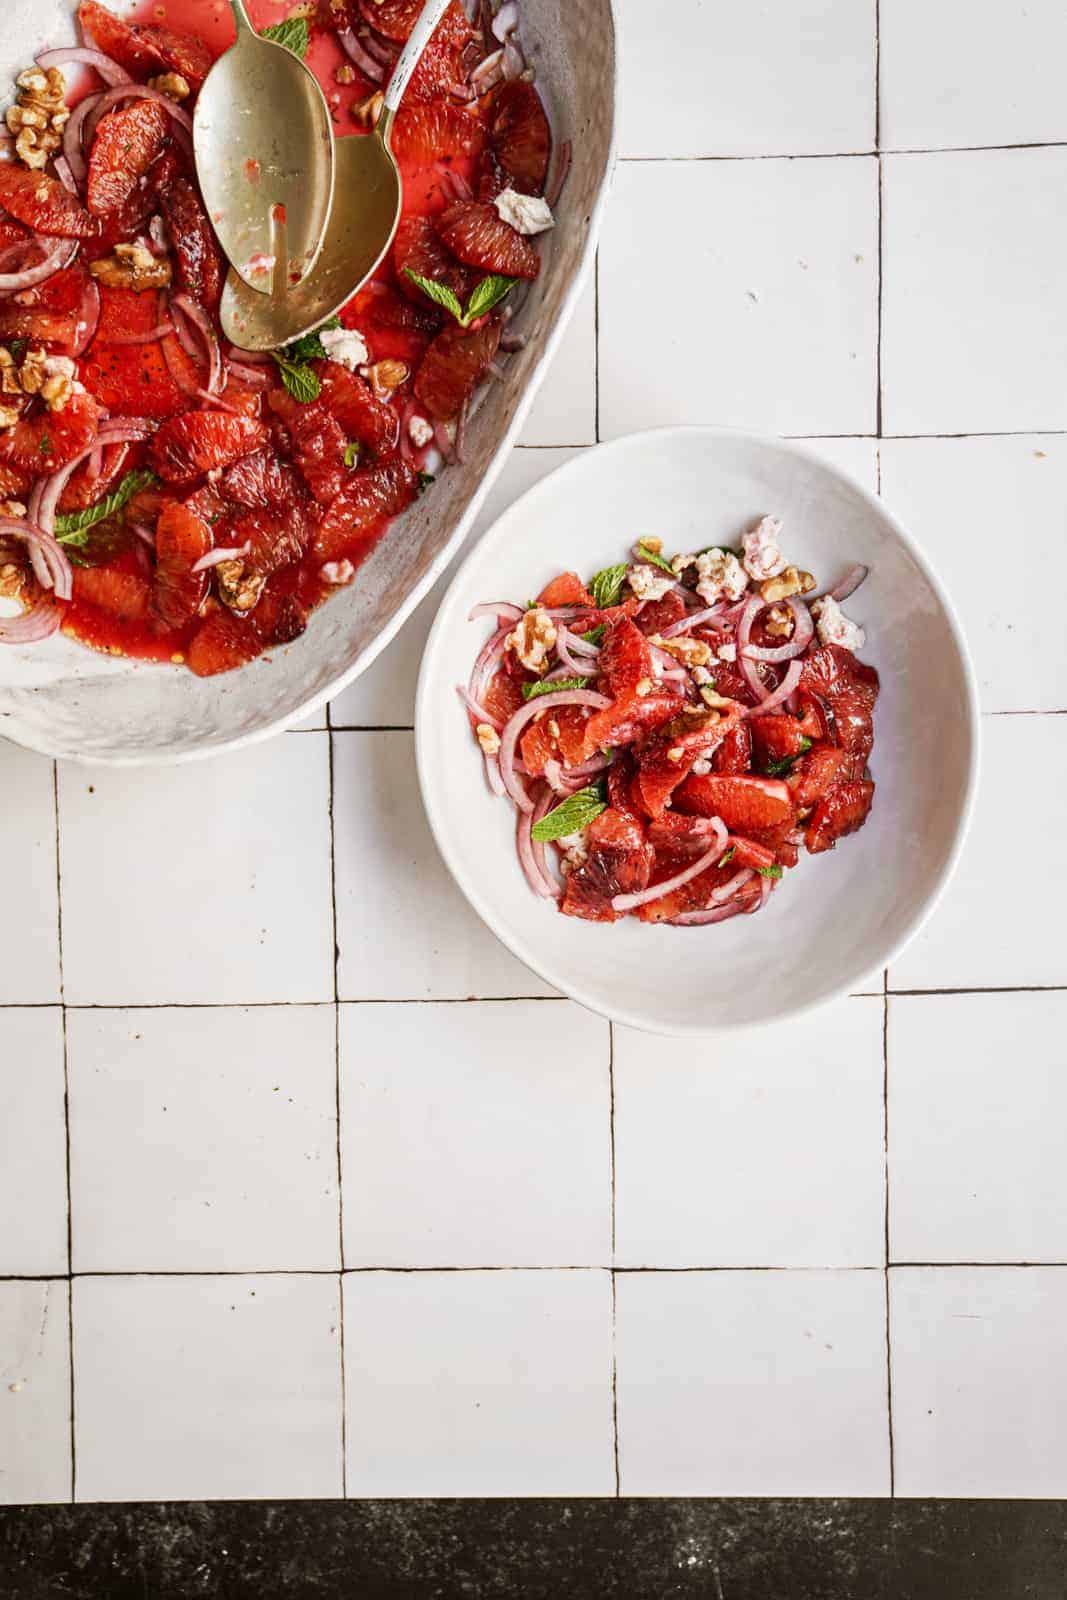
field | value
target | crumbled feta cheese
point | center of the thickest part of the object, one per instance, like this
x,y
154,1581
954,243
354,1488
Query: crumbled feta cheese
x,y
700,676
648,583
833,627
701,768
527,213
419,431
727,651
762,557
532,639
488,738
720,576
346,346
575,850
338,572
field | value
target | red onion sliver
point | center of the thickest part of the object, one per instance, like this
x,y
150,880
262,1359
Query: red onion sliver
x,y
202,322
225,553
363,59
88,317
735,884
576,644
506,20
536,870
496,608
488,73
108,68
59,256
849,583
516,723
627,902
514,64
803,629
696,619
136,91
493,778
251,377
49,559
701,919
477,710
112,432
384,50
40,622
771,701
72,135
583,668
64,174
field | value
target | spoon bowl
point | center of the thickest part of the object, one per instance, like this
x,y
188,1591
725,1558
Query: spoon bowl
x,y
265,159
366,209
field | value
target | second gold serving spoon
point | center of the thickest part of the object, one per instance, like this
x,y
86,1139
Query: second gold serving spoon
x,y
366,210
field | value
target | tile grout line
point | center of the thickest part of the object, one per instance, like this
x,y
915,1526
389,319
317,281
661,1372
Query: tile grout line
x,y
885,1198
842,155
614,1297
705,1269
337,1115
66,1128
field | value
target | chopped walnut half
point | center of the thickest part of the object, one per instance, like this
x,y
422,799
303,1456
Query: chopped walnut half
x,y
239,589
385,376
54,378
779,622
39,115
367,112
132,266
532,639
345,75
9,375
711,697
9,415
788,582
690,652
172,84
488,738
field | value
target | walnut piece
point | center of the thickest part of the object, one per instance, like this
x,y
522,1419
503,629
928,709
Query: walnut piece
x,y
367,112
779,622
39,115
52,377
532,639
132,266
690,652
788,582
172,84
385,376
239,589
488,738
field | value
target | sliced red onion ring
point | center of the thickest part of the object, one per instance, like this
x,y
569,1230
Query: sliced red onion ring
x,y
202,322
363,59
72,135
696,619
88,317
569,658
531,853
627,902
40,622
729,890
515,724
215,558
488,73
115,431
495,608
251,358
107,68
493,778
844,586
251,377
576,644
701,919
135,91
587,768
803,629
384,50
669,667
65,175
771,701
514,60
487,660
477,710
58,256
49,559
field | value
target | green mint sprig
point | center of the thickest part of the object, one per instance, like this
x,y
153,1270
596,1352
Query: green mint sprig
x,y
570,816
484,296
606,586
72,527
531,691
294,34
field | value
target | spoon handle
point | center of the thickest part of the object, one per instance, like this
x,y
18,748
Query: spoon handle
x,y
240,16
430,16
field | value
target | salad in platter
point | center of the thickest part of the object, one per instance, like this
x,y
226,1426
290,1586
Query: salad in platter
x,y
677,730
164,495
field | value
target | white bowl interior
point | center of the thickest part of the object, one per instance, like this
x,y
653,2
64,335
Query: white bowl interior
x,y
835,918
66,700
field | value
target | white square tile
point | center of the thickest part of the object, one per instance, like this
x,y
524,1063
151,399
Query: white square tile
x,y
478,1383
782,336
764,1149
960,74
404,930
771,78
564,410
998,925
185,1128
475,1135
974,321
384,696
958,496
203,883
33,1171
34,1393
979,1384
977,1106
857,457
752,1383
213,1388
29,942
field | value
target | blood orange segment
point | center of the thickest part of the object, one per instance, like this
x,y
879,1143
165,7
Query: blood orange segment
x,y
122,595
813,775
453,366
620,861
558,736
46,442
396,18
145,50
628,718
198,263
181,539
418,249
261,480
625,658
566,590
13,484
222,643
476,234
426,133
734,754
743,803
361,416
371,494
394,326
26,322
317,443
188,446
134,379
849,689
42,203
843,811
777,738
126,144
662,613
84,488
666,758
519,136
503,697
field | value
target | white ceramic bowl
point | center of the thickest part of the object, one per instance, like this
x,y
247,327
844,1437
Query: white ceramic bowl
x,y
836,918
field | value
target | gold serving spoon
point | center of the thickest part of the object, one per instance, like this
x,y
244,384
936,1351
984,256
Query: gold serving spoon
x,y
366,210
265,158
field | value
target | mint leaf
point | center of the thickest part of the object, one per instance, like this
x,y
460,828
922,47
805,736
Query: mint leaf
x,y
299,379
654,559
770,872
439,293
294,34
727,856
530,691
574,813
352,454
73,526
486,295
606,586
596,635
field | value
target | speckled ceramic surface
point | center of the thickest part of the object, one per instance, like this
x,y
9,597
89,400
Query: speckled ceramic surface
x,y
62,699
834,919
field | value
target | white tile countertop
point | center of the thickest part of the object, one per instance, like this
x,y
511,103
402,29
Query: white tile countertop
x,y
309,1188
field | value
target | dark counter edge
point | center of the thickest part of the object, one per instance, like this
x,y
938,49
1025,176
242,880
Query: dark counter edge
x,y
421,1549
